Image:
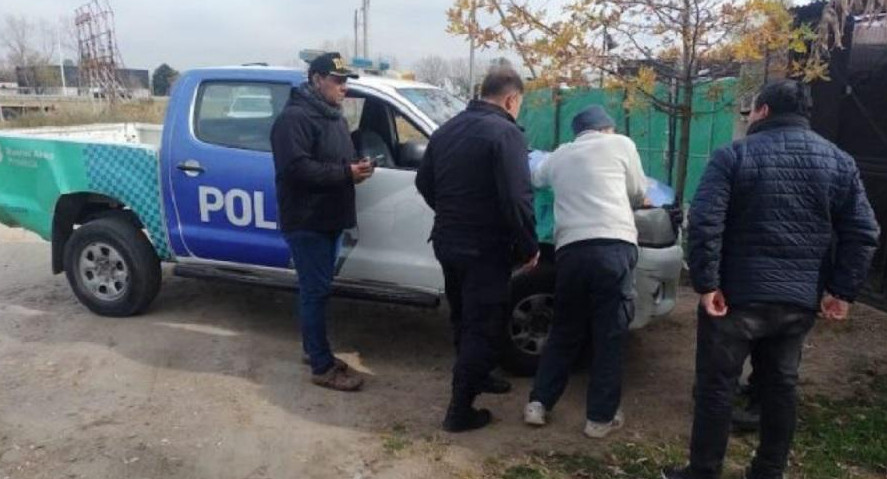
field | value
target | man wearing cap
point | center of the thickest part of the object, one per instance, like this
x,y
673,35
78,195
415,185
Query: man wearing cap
x,y
597,180
316,172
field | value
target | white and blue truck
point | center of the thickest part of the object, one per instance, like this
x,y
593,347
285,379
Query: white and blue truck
x,y
116,201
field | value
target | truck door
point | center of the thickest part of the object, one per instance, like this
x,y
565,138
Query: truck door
x,y
222,174
390,242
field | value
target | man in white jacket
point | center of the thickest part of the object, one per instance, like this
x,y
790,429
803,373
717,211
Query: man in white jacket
x,y
597,180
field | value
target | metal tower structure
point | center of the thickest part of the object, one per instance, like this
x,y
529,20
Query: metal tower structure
x,y
100,60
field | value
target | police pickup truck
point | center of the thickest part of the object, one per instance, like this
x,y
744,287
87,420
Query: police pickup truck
x,y
117,200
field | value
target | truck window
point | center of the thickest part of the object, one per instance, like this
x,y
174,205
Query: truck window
x,y
352,110
406,131
239,114
439,105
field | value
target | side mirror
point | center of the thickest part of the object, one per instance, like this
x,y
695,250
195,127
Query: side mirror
x,y
411,154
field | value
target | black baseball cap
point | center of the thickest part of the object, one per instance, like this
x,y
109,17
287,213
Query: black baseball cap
x,y
331,64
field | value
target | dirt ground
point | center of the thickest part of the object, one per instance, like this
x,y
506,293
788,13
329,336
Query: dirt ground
x,y
209,384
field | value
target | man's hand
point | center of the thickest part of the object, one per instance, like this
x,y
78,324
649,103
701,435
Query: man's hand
x,y
361,171
715,304
531,264
834,309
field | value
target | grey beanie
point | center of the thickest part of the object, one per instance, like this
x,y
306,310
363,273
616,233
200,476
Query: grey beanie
x,y
592,118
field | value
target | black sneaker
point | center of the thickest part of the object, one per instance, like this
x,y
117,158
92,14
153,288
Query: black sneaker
x,y
495,385
466,420
677,473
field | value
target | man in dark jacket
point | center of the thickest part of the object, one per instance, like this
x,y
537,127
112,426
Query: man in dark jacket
x,y
476,178
315,178
780,228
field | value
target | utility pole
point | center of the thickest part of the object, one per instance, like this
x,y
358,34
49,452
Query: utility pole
x,y
471,33
62,61
366,27
356,34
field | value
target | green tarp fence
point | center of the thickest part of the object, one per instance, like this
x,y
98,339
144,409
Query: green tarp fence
x,y
712,126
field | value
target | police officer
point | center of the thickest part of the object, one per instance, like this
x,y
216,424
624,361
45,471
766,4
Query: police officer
x,y
475,176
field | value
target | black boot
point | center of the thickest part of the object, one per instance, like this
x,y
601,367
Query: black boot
x,y
495,385
461,419
461,415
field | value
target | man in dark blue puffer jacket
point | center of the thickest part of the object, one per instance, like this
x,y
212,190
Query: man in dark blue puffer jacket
x,y
780,229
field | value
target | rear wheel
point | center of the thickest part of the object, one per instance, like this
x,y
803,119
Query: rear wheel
x,y
112,267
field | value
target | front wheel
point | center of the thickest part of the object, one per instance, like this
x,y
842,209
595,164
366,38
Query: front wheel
x,y
112,267
529,320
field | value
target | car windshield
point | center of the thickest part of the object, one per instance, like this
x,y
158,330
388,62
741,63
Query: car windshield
x,y
437,104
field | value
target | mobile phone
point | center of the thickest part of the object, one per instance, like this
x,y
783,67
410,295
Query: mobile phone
x,y
373,160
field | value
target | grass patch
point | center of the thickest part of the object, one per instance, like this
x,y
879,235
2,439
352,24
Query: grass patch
x,y
836,439
397,440
523,472
628,460
843,438
138,111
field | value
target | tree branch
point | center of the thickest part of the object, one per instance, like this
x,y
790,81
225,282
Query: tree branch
x,y
517,43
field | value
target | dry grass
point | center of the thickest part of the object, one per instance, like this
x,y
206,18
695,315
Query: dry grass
x,y
139,111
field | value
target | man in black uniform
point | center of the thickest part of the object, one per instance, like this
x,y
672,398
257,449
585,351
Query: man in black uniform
x,y
475,176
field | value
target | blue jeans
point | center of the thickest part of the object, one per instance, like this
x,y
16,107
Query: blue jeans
x,y
314,255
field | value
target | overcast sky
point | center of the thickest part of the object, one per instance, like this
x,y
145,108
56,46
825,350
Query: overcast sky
x,y
193,33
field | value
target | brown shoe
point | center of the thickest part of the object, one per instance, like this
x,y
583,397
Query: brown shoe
x,y
338,363
338,379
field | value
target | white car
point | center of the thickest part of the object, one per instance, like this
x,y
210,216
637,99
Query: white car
x,y
251,106
395,120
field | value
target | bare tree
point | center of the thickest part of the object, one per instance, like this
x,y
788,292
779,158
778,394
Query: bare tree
x,y
433,69
25,41
28,45
460,76
341,45
67,38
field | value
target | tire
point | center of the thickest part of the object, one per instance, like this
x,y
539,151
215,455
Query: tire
x,y
112,267
529,319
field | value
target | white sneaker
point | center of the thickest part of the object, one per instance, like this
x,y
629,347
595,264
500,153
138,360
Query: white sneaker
x,y
600,430
534,414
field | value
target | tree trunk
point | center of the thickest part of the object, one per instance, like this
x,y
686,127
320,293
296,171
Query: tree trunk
x,y
556,97
686,108
683,157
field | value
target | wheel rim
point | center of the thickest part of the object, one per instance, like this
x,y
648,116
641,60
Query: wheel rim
x,y
531,322
104,272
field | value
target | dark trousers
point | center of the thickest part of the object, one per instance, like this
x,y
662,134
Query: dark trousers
x,y
477,290
594,303
776,332
314,255
753,394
